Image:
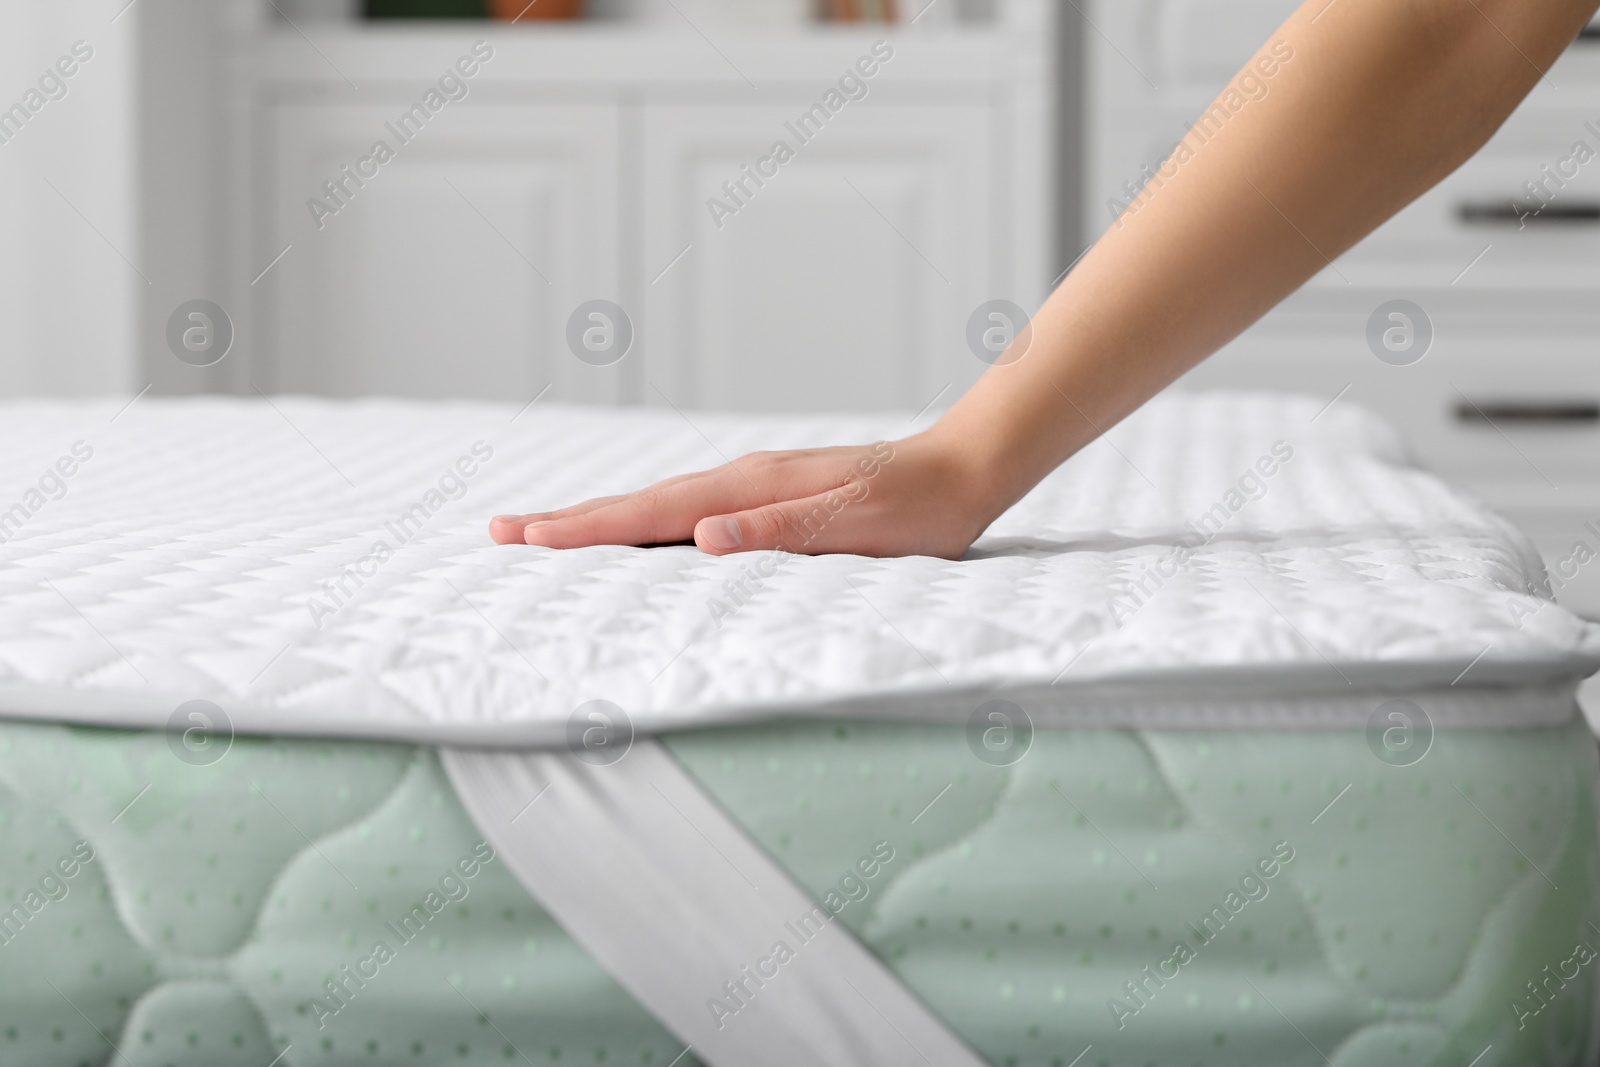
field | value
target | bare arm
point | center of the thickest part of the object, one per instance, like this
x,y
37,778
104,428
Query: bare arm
x,y
1381,100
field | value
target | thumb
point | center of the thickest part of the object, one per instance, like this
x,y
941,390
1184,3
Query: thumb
x,y
808,526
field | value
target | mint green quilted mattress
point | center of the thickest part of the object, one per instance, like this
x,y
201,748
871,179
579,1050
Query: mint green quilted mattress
x,y
1115,899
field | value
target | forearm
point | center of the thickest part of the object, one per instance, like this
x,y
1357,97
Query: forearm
x,y
1380,100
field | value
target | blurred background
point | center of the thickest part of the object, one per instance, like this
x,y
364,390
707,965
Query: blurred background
x,y
588,200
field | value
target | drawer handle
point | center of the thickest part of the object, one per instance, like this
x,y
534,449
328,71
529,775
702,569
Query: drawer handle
x,y
1529,412
1511,213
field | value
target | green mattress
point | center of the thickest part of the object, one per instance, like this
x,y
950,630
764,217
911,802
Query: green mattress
x,y
1288,897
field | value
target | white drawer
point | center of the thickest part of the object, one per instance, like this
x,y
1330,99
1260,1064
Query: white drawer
x,y
1508,393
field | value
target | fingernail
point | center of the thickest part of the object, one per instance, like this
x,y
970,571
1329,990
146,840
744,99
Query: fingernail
x,y
507,518
532,529
721,534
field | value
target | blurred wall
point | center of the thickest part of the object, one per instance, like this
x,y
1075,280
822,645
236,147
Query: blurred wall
x,y
70,263
193,133
1073,236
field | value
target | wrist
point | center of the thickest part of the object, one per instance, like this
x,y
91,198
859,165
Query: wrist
x,y
976,469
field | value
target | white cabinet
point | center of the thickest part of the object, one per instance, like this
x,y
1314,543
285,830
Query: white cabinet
x,y
450,271
579,169
842,280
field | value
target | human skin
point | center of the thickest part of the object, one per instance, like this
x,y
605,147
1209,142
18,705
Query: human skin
x,y
1382,100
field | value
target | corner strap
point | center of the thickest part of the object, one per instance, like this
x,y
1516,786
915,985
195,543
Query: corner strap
x,y
668,895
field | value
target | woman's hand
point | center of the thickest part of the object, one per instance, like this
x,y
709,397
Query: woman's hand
x,y
905,498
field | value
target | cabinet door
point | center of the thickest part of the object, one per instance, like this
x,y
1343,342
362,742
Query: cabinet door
x,y
844,281
453,270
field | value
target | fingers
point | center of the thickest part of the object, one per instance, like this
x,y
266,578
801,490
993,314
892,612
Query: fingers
x,y
511,529
808,526
658,515
625,521
788,502
508,529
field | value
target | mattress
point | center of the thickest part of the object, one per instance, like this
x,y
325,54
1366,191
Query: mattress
x,y
1290,769
216,910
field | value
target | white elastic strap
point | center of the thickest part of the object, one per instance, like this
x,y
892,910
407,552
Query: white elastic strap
x,y
671,898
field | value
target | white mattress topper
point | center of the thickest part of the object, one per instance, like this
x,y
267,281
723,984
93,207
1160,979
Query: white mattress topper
x,y
314,566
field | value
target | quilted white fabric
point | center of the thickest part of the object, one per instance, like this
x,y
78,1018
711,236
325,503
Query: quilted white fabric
x,y
322,567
